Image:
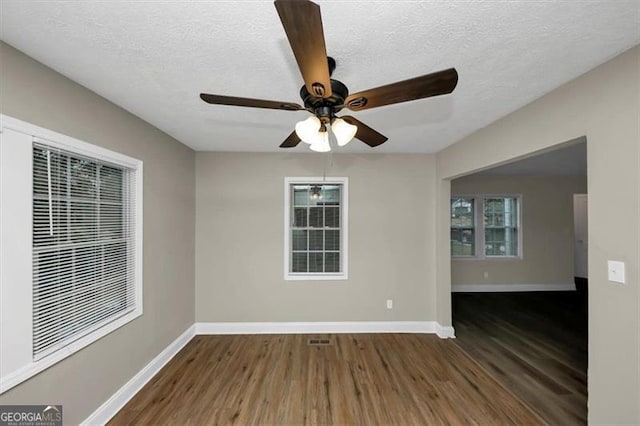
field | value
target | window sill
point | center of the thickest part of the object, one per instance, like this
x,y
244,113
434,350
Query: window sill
x,y
35,367
491,258
315,277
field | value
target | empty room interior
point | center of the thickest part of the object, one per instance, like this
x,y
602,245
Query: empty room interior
x,y
324,212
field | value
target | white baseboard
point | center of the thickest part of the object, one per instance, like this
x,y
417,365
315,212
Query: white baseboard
x,y
499,288
445,331
324,327
118,400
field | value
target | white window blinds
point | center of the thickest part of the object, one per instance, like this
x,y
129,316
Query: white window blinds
x,y
83,246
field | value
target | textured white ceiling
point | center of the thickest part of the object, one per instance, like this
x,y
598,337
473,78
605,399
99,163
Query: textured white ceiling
x,y
153,58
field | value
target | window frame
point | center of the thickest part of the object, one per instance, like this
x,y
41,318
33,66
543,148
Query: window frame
x,y
479,202
18,337
344,227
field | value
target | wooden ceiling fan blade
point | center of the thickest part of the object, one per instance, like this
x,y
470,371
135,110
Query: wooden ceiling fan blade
x,y
435,84
248,102
365,133
302,23
291,141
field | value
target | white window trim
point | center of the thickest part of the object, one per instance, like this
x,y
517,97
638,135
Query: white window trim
x,y
344,237
16,285
478,224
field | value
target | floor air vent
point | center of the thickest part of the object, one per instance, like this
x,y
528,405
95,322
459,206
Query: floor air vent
x,y
319,342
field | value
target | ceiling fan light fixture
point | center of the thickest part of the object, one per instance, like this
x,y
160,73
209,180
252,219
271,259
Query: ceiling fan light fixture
x,y
307,130
321,142
343,131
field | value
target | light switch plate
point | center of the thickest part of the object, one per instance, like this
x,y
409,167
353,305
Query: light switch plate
x,y
616,271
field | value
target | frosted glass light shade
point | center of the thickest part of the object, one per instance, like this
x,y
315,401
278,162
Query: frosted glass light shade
x,y
344,131
307,130
321,142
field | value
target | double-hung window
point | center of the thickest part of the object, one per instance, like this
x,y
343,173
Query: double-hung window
x,y
83,245
71,247
315,228
486,226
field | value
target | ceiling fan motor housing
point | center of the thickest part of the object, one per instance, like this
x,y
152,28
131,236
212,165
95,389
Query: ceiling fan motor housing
x,y
325,108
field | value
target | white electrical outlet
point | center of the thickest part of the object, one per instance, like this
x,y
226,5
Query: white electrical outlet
x,y
389,304
616,271
486,275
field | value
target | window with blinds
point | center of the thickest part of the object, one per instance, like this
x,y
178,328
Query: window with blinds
x,y
316,229
84,220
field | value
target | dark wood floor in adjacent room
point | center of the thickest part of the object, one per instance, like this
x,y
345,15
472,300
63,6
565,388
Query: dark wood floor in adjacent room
x,y
362,379
535,344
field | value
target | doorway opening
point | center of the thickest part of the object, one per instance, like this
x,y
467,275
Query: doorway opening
x,y
519,286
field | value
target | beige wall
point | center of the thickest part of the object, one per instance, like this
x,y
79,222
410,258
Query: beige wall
x,y
240,239
34,93
604,106
547,230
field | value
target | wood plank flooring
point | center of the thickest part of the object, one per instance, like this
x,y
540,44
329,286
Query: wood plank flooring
x,y
359,379
535,344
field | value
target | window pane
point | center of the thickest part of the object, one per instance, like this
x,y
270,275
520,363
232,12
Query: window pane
x,y
111,223
57,171
299,262
299,240
511,242
300,217
332,262
331,194
300,195
315,240
332,217
494,204
493,219
43,224
332,240
110,184
494,242
316,217
84,181
511,212
82,218
462,212
315,262
462,242
501,242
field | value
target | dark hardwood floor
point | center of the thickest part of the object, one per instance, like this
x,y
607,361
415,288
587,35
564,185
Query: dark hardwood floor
x,y
359,379
535,344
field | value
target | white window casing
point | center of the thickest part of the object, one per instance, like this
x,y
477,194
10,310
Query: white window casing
x,y
71,246
328,259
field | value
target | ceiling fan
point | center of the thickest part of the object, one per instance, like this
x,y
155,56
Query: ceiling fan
x,y
323,96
